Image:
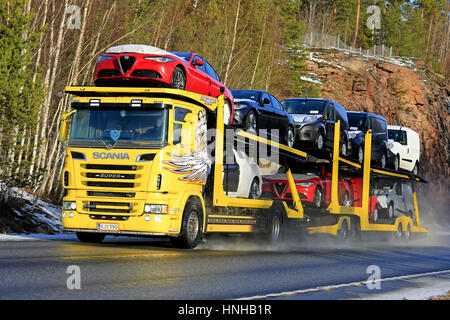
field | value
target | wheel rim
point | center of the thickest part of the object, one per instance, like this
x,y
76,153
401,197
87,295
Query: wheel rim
x,y
254,190
226,113
275,228
192,226
375,214
360,155
415,170
383,161
320,142
346,201
251,122
344,149
290,137
317,197
407,233
343,231
391,211
178,81
396,163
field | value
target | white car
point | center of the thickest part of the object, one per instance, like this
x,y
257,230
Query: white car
x,y
242,177
405,145
397,201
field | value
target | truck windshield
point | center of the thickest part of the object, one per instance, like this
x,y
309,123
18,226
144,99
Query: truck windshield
x,y
119,127
303,106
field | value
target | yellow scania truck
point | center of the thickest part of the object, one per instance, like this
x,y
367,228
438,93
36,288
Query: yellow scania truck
x,y
138,163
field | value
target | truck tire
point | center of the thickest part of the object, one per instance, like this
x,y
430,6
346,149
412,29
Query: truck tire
x,y
274,231
191,227
343,232
90,237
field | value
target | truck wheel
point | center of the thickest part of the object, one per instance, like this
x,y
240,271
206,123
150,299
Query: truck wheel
x,y
407,234
191,228
90,237
343,233
397,235
274,230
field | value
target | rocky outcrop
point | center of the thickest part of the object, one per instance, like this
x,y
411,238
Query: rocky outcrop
x,y
404,93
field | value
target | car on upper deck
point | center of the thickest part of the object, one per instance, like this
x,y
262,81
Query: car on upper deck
x,y
405,147
142,65
256,110
315,120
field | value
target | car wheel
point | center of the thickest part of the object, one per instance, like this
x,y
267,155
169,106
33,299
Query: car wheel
x,y
254,190
320,141
360,155
290,137
227,112
416,169
390,210
344,148
396,165
383,161
251,123
178,79
317,197
375,215
346,200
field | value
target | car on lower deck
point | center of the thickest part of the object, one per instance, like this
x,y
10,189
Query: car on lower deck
x,y
257,110
374,205
313,190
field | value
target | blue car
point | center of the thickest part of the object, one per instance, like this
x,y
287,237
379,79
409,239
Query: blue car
x,y
255,110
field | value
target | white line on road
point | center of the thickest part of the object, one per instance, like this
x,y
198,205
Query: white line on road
x,y
343,285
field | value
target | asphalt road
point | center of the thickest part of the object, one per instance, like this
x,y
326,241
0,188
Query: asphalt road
x,y
123,268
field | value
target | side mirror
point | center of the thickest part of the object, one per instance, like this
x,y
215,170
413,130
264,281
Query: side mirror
x,y
188,131
265,101
198,62
64,131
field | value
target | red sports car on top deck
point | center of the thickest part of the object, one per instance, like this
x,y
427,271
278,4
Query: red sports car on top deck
x,y
138,65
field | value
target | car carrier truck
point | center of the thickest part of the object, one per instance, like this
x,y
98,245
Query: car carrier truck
x,y
137,163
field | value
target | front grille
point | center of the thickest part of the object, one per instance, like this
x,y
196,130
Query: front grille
x,y
146,74
126,63
280,187
111,194
110,184
108,73
109,210
110,167
110,175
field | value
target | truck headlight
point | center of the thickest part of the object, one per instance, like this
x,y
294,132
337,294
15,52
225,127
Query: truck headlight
x,y
69,205
156,208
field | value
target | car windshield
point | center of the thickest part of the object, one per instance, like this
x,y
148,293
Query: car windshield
x,y
184,55
295,106
356,122
245,94
397,135
122,127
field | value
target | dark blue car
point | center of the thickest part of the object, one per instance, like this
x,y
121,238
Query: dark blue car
x,y
256,110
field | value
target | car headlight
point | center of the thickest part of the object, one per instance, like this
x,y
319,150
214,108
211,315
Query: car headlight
x,y
160,59
156,208
104,58
305,184
69,205
239,106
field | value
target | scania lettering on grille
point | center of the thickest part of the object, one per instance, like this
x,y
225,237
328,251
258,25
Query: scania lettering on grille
x,y
111,155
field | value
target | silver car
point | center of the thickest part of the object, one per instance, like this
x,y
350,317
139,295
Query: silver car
x,y
398,200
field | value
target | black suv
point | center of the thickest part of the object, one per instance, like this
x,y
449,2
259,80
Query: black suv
x,y
255,110
360,122
315,119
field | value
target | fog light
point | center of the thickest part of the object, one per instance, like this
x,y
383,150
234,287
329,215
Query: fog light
x,y
70,214
158,218
147,218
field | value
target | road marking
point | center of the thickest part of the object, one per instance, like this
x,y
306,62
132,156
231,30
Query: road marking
x,y
343,285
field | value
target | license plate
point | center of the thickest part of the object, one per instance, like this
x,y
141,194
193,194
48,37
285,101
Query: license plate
x,y
107,226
